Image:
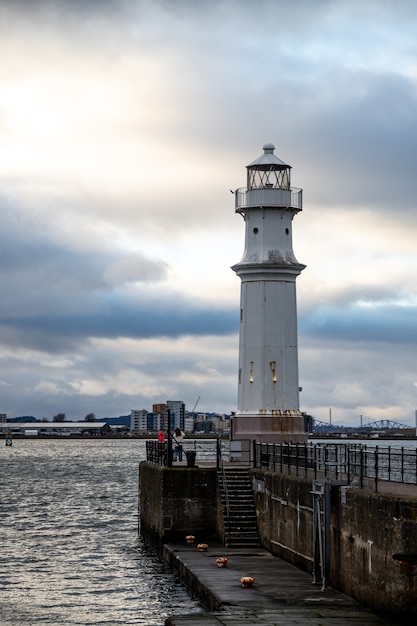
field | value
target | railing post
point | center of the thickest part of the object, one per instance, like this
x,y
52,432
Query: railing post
x,y
415,476
389,462
376,468
326,524
348,467
169,451
305,460
254,453
296,458
402,464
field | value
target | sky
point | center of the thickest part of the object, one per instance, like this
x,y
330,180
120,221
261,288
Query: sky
x,y
123,126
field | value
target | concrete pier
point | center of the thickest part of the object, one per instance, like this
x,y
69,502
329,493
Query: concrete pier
x,y
282,594
365,544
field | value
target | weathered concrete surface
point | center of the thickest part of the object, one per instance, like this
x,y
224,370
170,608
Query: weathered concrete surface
x,y
282,594
373,538
177,502
374,544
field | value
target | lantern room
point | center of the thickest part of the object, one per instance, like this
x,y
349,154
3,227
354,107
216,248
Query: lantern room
x,y
268,171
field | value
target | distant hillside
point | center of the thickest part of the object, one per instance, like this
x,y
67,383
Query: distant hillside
x,y
123,420
23,418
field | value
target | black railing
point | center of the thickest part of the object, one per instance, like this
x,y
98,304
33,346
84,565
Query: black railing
x,y
157,452
221,472
357,464
194,451
354,463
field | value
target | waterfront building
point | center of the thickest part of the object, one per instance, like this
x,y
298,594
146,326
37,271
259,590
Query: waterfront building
x,y
177,412
138,420
161,409
268,385
188,425
145,421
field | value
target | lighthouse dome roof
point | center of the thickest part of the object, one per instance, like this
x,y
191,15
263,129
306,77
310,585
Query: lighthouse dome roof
x,y
267,159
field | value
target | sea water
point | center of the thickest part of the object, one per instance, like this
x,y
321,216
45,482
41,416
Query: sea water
x,y
70,552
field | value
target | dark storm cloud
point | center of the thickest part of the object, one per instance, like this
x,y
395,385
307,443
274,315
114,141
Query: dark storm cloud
x,y
36,261
366,144
351,136
58,295
382,323
120,319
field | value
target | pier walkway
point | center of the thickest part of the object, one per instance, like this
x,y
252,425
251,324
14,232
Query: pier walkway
x,y
282,594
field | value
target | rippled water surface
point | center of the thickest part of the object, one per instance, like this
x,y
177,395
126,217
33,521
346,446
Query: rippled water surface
x,y
69,550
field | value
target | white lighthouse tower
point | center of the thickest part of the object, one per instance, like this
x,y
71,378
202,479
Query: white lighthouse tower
x,y
268,393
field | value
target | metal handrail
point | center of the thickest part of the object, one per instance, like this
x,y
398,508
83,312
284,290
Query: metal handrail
x,y
226,493
267,197
157,452
207,450
352,462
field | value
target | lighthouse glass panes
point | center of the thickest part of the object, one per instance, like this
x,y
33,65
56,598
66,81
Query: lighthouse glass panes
x,y
269,172
269,177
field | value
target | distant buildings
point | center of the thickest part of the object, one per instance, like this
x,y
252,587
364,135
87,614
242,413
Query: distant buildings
x,y
161,410
143,421
139,421
176,410
56,428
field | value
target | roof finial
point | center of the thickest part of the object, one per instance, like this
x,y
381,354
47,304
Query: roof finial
x,y
269,148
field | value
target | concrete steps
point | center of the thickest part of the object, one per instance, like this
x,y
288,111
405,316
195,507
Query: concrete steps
x,y
240,523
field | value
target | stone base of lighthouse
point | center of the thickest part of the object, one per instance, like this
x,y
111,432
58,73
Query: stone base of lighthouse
x,y
264,427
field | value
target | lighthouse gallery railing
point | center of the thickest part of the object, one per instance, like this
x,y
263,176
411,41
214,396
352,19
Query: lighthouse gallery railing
x,y
265,197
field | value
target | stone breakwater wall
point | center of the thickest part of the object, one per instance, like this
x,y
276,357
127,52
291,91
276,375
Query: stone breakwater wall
x,y
373,537
177,502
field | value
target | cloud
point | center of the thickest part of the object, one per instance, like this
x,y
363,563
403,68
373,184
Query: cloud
x,y
60,293
136,268
364,323
123,125
118,318
353,378
107,374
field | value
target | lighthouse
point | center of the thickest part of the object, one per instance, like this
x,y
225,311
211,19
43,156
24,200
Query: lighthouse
x,y
268,385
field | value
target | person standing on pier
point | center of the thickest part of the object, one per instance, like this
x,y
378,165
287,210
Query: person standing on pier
x,y
178,439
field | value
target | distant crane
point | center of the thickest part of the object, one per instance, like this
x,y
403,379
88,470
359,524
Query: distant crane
x,y
196,404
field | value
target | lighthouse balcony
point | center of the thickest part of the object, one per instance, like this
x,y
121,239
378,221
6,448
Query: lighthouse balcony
x,y
268,197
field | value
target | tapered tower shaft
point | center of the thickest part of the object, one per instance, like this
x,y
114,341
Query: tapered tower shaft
x,y
268,387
